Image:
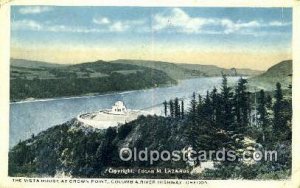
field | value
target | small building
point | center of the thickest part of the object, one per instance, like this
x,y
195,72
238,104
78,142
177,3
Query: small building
x,y
115,116
118,108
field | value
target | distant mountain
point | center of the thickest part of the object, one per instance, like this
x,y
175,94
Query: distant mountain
x,y
102,76
281,72
185,71
213,70
32,64
48,81
173,70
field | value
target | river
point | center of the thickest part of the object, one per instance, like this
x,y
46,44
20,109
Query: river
x,y
32,117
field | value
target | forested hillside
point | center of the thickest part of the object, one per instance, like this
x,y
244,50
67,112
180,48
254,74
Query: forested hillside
x,y
185,71
35,79
281,72
43,80
230,118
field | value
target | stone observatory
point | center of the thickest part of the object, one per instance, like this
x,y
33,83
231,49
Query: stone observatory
x,y
117,115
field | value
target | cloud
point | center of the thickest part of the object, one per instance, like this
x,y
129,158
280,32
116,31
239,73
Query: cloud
x,y
118,25
101,21
231,27
176,20
279,24
34,10
32,25
132,25
26,24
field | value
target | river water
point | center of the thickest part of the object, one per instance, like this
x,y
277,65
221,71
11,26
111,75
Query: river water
x,y
32,117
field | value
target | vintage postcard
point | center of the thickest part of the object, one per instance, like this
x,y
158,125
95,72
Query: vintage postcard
x,y
159,95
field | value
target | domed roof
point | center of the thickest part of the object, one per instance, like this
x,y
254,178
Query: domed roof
x,y
118,108
119,103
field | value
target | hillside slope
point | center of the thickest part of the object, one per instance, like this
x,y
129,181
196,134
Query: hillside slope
x,y
83,151
45,81
185,71
281,72
213,70
32,64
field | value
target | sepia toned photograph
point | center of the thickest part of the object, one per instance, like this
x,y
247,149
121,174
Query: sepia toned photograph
x,y
127,92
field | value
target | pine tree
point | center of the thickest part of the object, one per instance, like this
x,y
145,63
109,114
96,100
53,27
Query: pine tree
x,y
193,108
105,149
241,104
278,121
199,109
227,116
263,120
199,130
172,111
282,115
269,102
166,108
182,109
216,108
200,100
207,109
176,108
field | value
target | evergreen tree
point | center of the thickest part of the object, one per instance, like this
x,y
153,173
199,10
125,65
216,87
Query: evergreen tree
x,y
199,128
278,121
199,115
172,110
182,109
193,108
241,104
216,108
105,150
287,115
269,102
262,113
207,109
282,115
227,116
166,108
177,108
200,100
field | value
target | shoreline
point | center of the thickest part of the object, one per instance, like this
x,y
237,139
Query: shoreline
x,y
101,94
83,95
71,97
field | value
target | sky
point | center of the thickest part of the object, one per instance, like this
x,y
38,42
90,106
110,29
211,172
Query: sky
x,y
255,38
